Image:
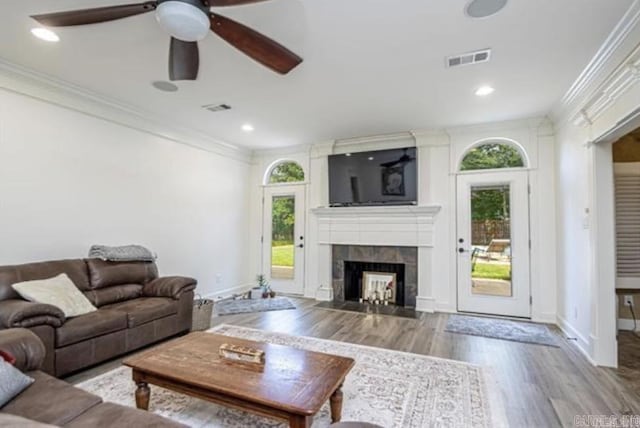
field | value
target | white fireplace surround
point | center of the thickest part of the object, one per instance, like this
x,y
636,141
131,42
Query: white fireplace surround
x,y
408,226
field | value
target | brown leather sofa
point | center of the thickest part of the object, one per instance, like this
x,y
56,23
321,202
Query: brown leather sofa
x,y
52,402
135,308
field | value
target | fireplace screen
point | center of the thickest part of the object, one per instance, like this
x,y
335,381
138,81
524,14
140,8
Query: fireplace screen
x,y
379,287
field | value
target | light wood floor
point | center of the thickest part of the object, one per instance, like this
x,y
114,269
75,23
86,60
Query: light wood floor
x,y
542,386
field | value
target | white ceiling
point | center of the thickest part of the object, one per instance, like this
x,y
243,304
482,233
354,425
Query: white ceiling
x,y
371,66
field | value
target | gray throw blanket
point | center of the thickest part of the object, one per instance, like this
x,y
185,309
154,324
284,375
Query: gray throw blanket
x,y
123,253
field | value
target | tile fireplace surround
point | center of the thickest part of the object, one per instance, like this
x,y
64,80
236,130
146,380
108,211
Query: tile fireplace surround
x,y
408,256
394,234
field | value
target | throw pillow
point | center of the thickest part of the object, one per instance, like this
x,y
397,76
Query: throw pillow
x,y
7,357
13,382
58,291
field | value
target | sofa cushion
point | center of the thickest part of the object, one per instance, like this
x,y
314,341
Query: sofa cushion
x,y
58,291
75,269
51,401
106,274
145,309
90,325
109,415
13,421
115,294
12,382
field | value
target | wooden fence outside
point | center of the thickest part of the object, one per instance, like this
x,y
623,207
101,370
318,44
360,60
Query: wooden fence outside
x,y
483,231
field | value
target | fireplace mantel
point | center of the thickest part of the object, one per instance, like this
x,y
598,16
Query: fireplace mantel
x,y
392,225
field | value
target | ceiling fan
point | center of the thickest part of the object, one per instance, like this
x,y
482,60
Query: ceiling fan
x,y
402,160
187,21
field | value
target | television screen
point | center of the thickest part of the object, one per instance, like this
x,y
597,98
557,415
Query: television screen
x,y
383,177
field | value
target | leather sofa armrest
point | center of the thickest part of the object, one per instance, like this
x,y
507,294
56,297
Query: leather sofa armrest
x,y
169,286
24,346
20,313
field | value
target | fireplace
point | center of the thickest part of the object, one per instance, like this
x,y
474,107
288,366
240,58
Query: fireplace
x,y
355,282
352,262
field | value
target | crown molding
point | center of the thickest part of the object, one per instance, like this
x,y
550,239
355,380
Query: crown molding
x,y
533,123
22,80
382,138
626,76
597,76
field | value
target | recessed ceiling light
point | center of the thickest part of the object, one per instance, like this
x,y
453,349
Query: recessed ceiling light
x,y
483,91
348,154
370,157
45,34
161,85
484,8
247,127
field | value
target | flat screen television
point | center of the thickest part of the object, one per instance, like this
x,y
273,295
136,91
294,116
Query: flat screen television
x,y
383,177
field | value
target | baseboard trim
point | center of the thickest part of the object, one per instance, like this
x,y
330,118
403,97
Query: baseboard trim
x,y
627,324
324,294
228,292
425,304
581,343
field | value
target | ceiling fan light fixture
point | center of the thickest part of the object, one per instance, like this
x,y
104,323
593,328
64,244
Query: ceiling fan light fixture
x,y
183,20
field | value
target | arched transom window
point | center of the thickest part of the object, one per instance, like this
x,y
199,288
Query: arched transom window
x,y
493,155
286,172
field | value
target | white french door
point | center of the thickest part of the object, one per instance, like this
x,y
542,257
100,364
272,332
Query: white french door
x,y
283,238
493,243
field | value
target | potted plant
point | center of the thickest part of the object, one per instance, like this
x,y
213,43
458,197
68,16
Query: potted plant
x,y
257,291
263,284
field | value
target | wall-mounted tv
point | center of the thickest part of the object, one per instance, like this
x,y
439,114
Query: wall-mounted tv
x,y
383,177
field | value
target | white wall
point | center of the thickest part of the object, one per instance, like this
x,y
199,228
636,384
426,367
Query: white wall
x,y
70,180
573,223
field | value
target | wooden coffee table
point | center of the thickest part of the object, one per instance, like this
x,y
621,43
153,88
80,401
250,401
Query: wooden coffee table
x,y
293,385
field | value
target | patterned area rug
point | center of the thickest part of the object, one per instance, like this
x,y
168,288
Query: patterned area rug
x,y
388,388
243,306
501,329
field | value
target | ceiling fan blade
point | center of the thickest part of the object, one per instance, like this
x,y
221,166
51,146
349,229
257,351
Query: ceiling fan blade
x,y
221,3
259,47
93,16
184,60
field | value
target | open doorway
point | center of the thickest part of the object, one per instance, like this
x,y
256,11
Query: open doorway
x,y
626,168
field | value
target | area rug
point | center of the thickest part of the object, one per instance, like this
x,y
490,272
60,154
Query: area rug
x,y
388,388
243,306
501,329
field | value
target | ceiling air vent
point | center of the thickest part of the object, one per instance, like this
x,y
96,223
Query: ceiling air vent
x,y
469,58
217,107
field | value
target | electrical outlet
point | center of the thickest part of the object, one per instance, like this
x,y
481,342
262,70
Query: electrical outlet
x,y
218,279
628,300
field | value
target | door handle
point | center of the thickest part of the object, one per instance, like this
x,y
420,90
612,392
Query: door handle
x,y
300,246
462,250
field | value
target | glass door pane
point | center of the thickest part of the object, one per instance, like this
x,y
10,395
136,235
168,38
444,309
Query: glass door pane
x,y
491,240
282,237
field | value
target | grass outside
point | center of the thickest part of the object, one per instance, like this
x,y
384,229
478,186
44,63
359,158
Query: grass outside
x,y
282,255
492,271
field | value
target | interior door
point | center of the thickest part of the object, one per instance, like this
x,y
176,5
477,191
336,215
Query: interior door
x,y
283,238
493,243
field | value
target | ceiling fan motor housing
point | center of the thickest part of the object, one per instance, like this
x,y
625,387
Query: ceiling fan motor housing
x,y
186,20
